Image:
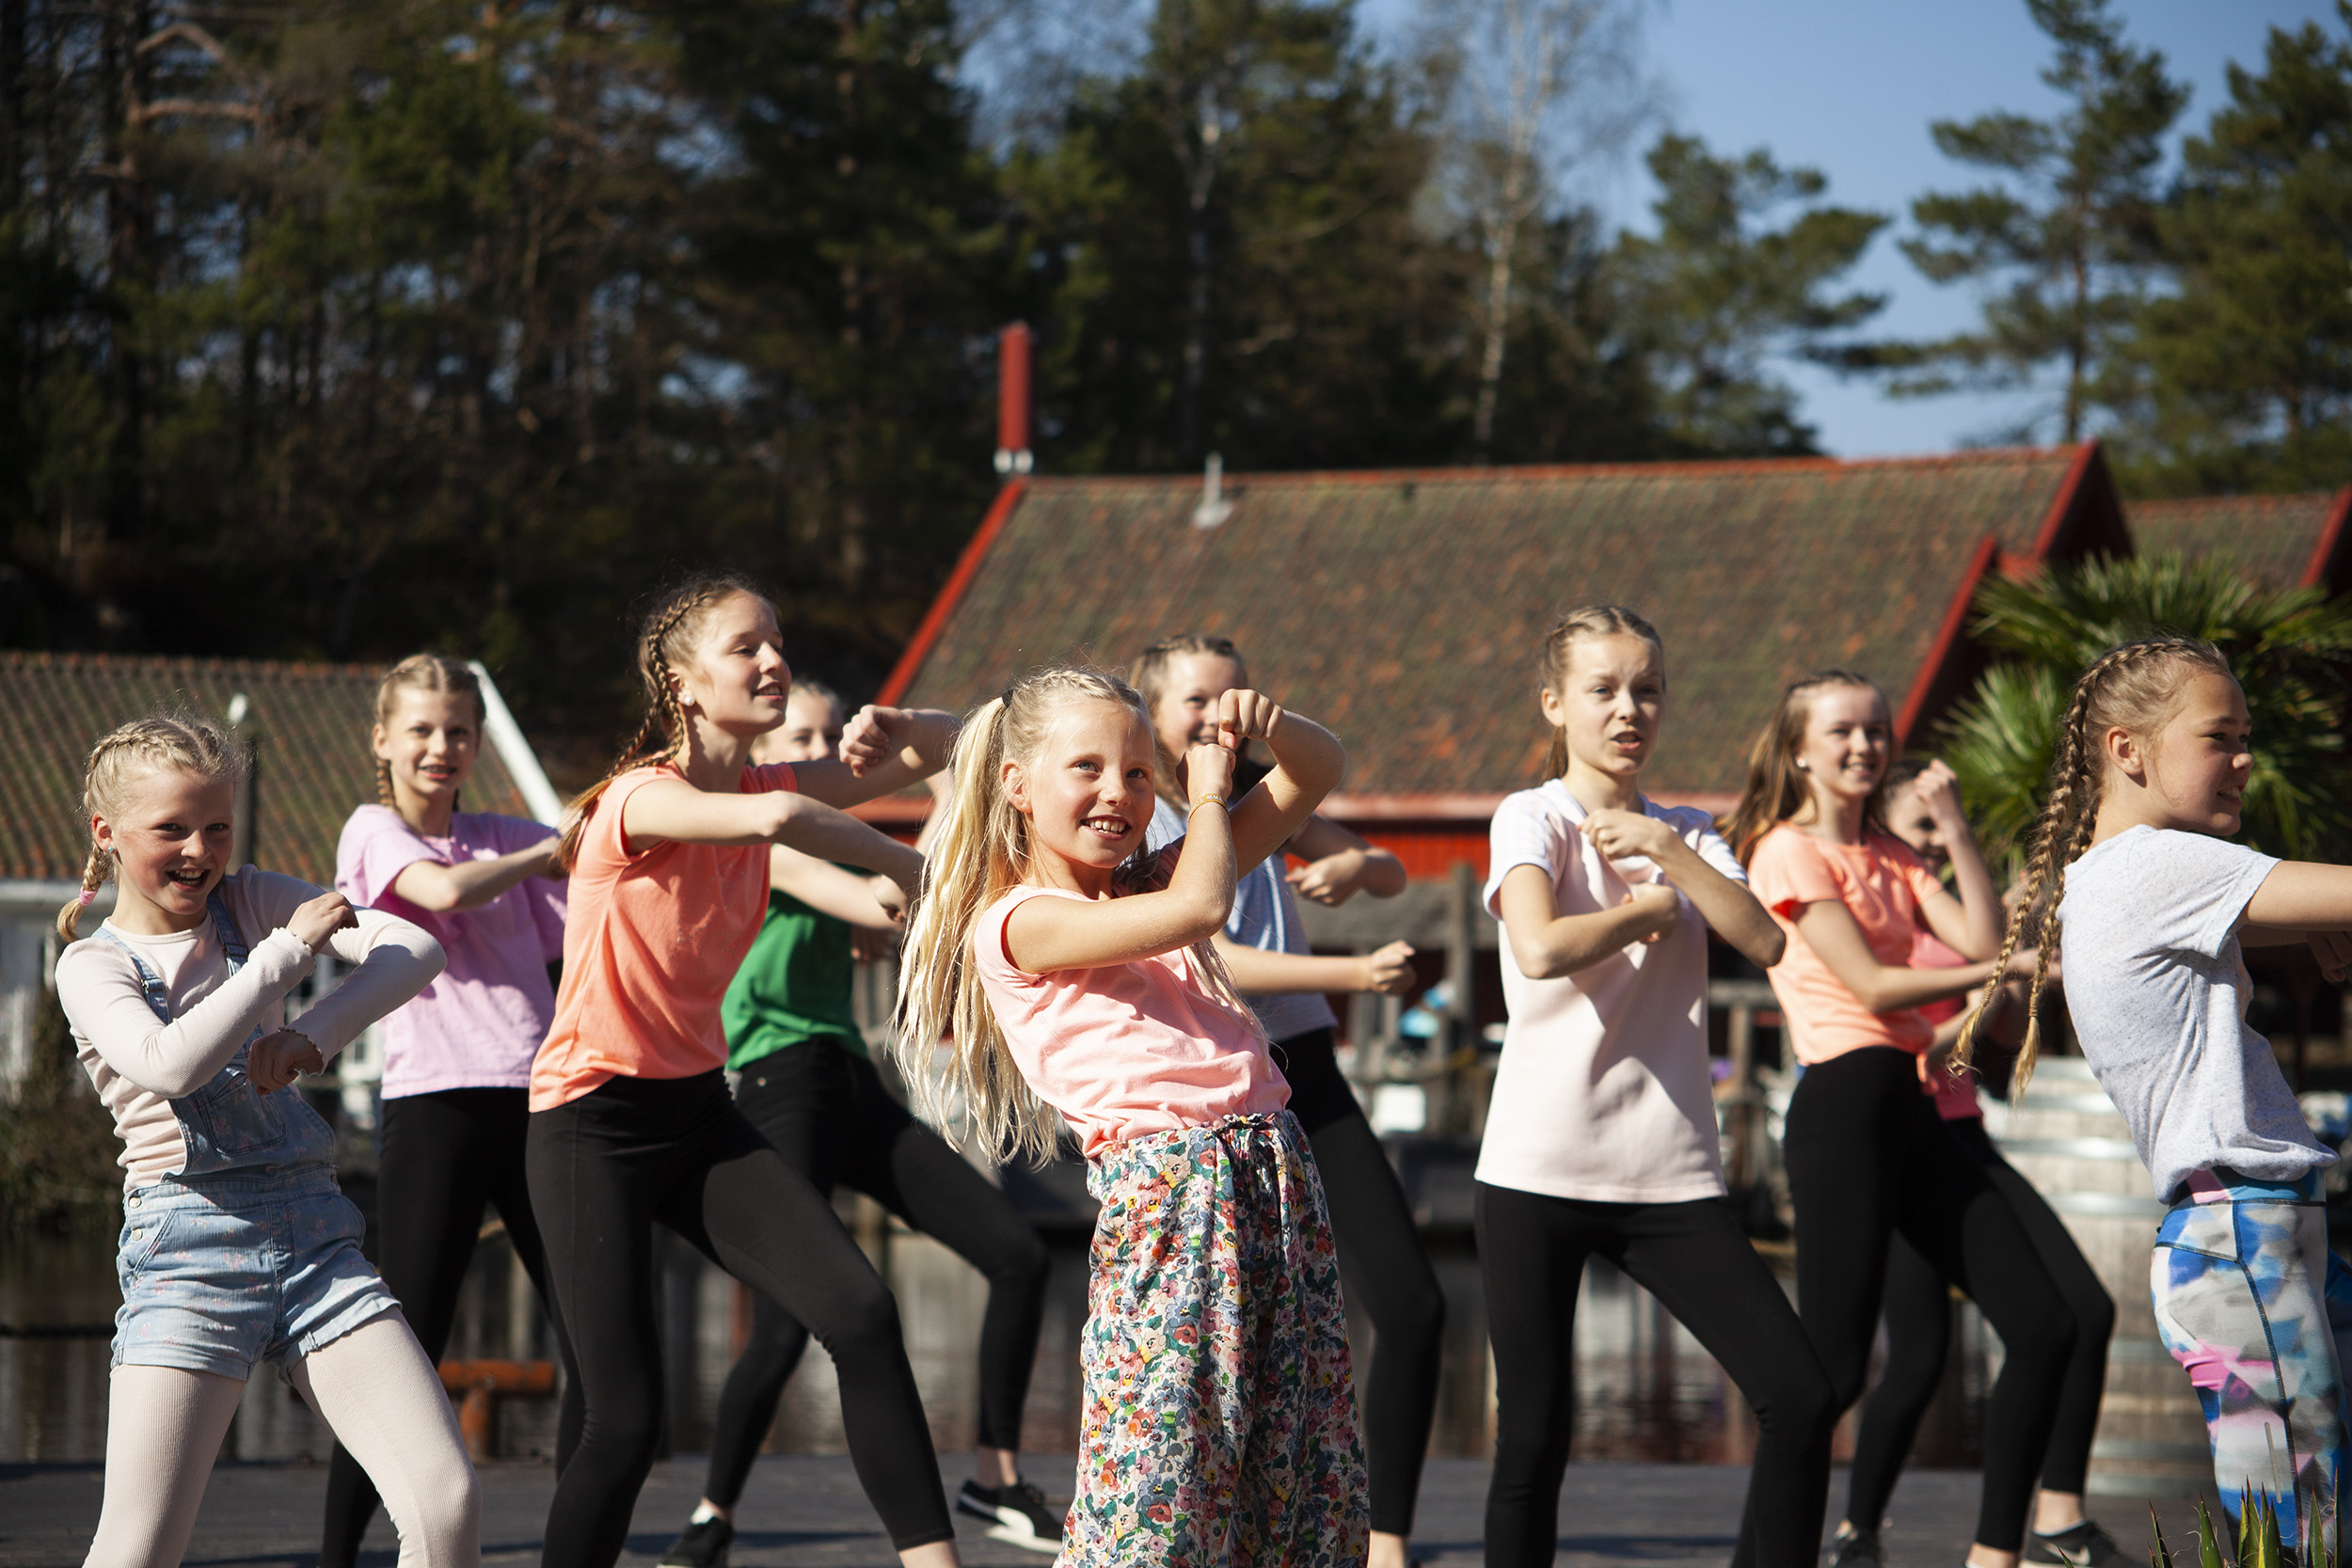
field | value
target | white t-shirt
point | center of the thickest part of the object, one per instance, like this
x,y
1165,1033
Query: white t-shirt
x,y
2157,990
1603,1092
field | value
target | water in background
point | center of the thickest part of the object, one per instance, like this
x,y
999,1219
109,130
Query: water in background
x,y
1645,1390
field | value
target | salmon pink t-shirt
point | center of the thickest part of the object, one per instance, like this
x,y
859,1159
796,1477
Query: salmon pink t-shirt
x,y
651,938
1125,1050
1884,886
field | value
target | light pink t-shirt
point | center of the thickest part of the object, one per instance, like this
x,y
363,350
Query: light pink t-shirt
x,y
479,1025
1603,1092
138,1064
1125,1050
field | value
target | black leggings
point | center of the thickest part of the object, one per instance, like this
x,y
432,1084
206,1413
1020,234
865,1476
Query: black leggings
x,y
1918,1329
1868,1158
1383,1269
604,1168
1693,1258
447,1156
825,1110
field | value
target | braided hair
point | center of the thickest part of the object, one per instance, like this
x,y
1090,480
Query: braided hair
x,y
665,642
421,672
176,741
2134,687
1592,620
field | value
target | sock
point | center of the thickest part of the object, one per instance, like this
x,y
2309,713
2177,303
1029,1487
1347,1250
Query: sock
x,y
703,1514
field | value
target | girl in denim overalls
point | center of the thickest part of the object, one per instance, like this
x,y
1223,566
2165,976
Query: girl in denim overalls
x,y
237,1246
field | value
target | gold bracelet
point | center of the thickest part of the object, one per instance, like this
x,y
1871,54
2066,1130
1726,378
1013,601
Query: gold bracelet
x,y
1210,800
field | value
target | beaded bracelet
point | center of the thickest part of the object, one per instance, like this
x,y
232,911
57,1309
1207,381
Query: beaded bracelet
x,y
1210,800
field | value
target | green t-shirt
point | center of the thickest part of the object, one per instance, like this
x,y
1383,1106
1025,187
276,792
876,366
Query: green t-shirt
x,y
794,986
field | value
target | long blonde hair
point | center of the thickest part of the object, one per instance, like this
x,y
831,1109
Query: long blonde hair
x,y
2135,687
665,641
981,853
1776,790
420,672
175,741
1592,620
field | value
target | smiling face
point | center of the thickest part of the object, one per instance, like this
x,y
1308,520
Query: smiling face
x,y
1610,701
811,732
1186,714
430,742
1848,742
737,680
2194,770
1086,792
170,840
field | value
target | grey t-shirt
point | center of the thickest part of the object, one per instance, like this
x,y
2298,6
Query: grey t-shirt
x,y
2157,990
1265,916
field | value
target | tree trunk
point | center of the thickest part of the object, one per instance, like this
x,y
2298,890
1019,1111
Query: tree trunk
x,y
128,269
1498,325
1190,439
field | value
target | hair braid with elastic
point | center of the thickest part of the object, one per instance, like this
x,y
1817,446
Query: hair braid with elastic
x,y
665,646
2135,687
173,742
421,672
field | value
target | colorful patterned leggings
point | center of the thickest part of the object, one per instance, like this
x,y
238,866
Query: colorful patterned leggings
x,y
2258,1312
1219,1413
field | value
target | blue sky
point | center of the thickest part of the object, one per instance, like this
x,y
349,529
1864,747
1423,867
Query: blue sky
x,y
1849,87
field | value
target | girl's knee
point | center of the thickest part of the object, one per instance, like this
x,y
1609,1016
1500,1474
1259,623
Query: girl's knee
x,y
1023,1264
863,1322
1799,1401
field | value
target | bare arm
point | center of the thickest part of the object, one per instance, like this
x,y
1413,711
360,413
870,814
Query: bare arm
x,y
828,889
1342,863
1727,906
882,751
1829,928
673,809
471,884
1309,762
1259,973
2298,898
1548,945
1970,925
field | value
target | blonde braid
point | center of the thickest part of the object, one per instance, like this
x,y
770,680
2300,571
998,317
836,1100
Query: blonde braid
x,y
383,796
2120,689
177,742
94,874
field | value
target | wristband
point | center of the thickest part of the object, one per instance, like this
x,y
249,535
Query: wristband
x,y
1212,798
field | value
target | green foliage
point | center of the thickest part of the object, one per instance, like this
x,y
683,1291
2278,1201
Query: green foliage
x,y
2289,650
2249,357
1717,291
2066,231
58,1144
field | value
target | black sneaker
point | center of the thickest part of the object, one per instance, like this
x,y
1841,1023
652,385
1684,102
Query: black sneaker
x,y
1017,1515
703,1545
1855,1549
2085,1545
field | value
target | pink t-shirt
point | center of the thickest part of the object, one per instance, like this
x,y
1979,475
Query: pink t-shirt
x,y
1882,885
480,1023
1125,1050
1955,1095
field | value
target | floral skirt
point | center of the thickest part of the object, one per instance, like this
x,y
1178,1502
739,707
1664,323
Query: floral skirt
x,y
1219,1424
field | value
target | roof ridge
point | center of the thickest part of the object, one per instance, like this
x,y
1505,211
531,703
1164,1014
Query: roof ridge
x,y
45,658
1697,468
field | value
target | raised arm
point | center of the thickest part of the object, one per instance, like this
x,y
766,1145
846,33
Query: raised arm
x,y
1309,763
882,751
827,888
1829,928
1256,971
1725,905
1546,944
671,809
1971,924
469,884
1043,935
1340,864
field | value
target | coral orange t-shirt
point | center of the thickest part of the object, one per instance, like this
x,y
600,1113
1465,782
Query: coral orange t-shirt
x,y
651,938
1882,885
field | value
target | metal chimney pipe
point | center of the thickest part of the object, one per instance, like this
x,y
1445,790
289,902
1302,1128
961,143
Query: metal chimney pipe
x,y
1012,399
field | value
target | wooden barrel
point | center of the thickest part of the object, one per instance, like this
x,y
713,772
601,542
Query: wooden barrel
x,y
2065,1137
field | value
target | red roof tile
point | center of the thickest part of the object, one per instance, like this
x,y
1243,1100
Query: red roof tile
x,y
312,723
2278,541
1404,608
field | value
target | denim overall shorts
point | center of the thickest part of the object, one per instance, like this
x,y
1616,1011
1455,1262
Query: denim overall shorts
x,y
249,1252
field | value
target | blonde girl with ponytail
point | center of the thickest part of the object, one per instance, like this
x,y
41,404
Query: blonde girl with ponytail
x,y
1868,1156
631,1123
1075,973
238,1248
2133,872
458,1059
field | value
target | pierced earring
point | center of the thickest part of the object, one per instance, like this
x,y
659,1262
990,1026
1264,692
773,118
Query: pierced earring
x,y
1803,767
